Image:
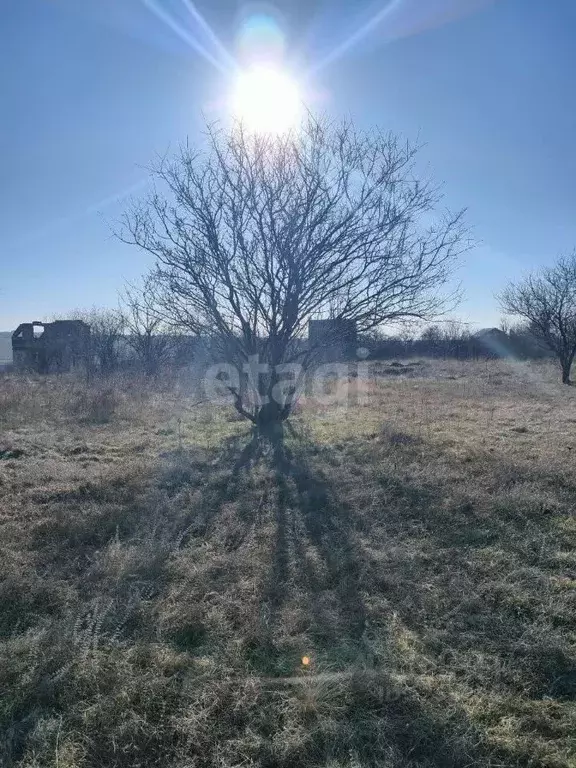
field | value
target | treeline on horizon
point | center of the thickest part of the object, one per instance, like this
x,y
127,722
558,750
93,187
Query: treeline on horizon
x,y
455,341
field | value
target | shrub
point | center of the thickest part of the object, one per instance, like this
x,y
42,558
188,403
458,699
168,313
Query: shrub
x,y
96,406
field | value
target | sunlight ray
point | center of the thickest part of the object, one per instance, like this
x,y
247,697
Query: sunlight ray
x,y
60,223
165,17
358,35
518,366
207,29
416,17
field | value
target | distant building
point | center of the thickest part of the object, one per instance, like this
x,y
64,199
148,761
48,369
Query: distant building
x,y
492,342
57,347
333,340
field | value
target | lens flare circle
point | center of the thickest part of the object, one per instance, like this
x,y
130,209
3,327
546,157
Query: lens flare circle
x,y
266,100
261,40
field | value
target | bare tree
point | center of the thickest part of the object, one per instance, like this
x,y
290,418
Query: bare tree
x,y
256,235
433,338
457,339
148,335
106,331
450,338
547,301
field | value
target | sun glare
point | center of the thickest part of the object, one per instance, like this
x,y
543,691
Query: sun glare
x,y
266,100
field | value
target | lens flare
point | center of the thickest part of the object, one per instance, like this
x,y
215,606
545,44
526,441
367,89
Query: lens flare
x,y
266,100
260,40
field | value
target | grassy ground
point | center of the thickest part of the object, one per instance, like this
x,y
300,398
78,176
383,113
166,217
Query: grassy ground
x,y
399,589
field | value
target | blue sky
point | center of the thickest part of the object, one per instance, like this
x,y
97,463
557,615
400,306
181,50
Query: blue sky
x,y
91,90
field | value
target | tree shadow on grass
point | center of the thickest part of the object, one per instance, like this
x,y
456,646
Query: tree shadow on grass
x,y
435,578
309,514
221,477
379,719
321,545
413,726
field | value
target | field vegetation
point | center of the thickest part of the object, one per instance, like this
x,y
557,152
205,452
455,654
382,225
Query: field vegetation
x,y
396,587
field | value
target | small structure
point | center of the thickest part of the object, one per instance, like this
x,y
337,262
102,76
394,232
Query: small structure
x,y
333,340
492,343
57,347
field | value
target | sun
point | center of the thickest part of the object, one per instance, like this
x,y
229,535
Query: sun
x,y
266,100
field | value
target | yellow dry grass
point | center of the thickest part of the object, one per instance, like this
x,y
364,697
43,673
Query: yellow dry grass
x,y
162,578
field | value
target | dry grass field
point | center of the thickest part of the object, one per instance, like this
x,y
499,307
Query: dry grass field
x,y
398,590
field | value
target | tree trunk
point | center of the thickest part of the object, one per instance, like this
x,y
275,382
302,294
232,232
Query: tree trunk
x,y
270,422
566,368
